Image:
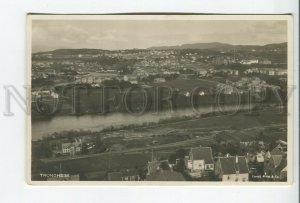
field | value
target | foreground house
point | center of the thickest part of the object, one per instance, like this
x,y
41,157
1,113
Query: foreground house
x,y
275,164
232,168
200,161
71,148
160,170
157,165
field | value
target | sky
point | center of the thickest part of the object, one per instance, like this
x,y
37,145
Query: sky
x,y
49,35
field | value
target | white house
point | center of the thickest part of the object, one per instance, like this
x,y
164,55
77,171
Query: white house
x,y
200,161
72,148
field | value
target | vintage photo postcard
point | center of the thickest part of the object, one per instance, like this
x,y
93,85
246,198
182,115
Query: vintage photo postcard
x,y
160,99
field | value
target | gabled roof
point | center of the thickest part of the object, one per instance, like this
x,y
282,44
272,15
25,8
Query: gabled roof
x,y
165,176
277,159
282,166
153,166
229,165
285,169
202,153
70,144
278,150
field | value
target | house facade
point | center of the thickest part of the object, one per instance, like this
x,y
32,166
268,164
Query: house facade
x,y
200,161
275,162
232,168
71,148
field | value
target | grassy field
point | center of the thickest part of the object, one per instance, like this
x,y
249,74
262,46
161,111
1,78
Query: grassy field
x,y
102,163
237,121
187,85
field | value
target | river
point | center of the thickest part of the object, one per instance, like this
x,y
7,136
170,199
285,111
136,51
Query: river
x,y
41,128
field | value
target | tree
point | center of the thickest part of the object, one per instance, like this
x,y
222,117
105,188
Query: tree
x,y
99,144
84,149
180,166
142,173
179,154
164,166
43,150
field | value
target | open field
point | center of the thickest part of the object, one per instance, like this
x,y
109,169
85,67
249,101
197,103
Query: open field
x,y
236,121
187,85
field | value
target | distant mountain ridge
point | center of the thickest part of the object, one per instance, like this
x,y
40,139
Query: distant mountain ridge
x,y
215,46
195,46
218,45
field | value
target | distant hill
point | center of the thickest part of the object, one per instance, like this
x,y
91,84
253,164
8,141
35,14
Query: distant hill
x,y
72,51
223,46
214,46
211,45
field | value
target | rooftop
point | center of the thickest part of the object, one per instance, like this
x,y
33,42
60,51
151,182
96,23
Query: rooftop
x,y
202,153
232,164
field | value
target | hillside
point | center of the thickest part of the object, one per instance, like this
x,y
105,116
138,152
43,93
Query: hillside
x,y
224,47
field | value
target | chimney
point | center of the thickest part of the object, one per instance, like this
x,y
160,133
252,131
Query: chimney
x,y
236,165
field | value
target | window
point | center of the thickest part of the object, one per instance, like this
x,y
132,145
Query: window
x,y
228,178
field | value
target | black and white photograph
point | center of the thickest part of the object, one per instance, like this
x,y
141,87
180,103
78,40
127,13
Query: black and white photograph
x,y
155,99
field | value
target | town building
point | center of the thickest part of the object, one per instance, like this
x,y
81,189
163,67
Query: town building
x,y
232,168
156,165
96,77
71,148
200,161
131,78
159,80
275,162
264,61
248,62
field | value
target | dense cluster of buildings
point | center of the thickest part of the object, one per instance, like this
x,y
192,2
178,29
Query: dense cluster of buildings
x,y
139,65
245,84
201,164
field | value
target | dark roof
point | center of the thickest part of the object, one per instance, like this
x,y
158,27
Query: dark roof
x,y
277,159
153,166
281,166
165,176
202,153
229,165
114,176
278,150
